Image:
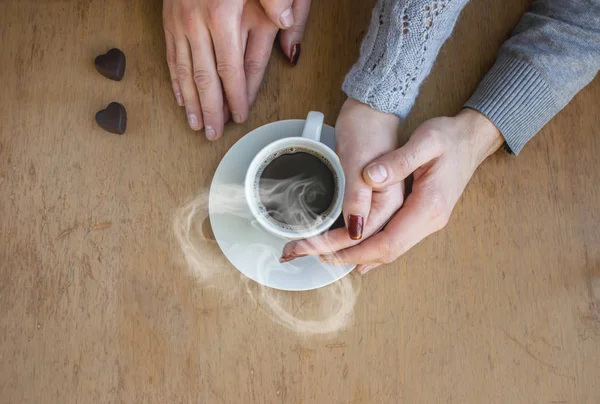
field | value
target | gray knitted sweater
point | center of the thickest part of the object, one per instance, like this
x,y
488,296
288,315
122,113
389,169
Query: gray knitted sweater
x,y
553,53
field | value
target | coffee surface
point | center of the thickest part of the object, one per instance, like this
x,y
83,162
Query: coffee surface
x,y
296,188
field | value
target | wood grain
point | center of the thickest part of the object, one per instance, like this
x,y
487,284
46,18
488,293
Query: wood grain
x,y
98,305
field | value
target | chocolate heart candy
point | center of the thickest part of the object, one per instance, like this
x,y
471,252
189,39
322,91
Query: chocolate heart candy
x,y
111,64
113,119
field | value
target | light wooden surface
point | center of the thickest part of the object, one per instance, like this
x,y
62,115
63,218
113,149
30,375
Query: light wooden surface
x,y
98,305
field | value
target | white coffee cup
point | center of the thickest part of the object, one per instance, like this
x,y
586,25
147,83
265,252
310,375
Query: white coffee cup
x,y
308,142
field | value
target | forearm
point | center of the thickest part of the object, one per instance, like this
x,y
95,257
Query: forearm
x,y
553,53
397,54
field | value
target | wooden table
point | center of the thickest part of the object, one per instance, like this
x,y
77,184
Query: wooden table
x,y
99,306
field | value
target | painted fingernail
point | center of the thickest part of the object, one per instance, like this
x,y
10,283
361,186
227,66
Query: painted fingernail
x,y
295,54
286,18
377,173
355,226
193,121
237,118
179,99
210,133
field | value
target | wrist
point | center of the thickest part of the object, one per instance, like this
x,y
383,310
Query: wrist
x,y
363,133
483,136
369,122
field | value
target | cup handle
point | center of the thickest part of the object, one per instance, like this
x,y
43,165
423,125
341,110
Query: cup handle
x,y
313,126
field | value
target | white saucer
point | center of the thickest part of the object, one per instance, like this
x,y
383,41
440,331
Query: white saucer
x,y
252,250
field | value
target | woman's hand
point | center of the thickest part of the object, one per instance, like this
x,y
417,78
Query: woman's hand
x,y
361,134
442,154
218,50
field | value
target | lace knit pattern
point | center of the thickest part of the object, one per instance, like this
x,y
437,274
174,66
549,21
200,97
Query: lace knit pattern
x,y
553,53
399,50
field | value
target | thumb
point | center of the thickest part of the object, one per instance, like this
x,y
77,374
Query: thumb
x,y
279,12
290,39
357,204
397,165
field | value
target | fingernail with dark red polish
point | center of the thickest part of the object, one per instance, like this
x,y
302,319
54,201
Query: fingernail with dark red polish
x,y
355,226
294,54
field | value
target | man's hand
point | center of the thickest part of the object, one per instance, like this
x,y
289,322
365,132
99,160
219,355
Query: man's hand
x,y
218,50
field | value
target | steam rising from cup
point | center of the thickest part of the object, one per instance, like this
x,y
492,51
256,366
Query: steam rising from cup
x,y
291,202
333,305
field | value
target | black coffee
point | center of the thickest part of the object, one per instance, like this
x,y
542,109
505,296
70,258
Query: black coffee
x,y
296,188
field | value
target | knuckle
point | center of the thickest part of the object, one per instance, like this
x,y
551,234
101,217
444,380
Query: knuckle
x,y
442,221
432,138
221,11
436,206
203,79
387,247
190,22
171,58
430,133
253,67
438,211
213,18
227,70
360,197
403,160
183,71
387,259
208,114
167,16
299,27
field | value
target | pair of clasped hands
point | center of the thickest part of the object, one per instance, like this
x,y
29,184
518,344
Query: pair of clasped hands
x,y
217,52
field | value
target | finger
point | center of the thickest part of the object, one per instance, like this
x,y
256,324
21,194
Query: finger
x,y
279,12
396,166
172,63
357,204
323,244
363,269
338,239
229,51
184,71
208,84
411,224
291,38
258,51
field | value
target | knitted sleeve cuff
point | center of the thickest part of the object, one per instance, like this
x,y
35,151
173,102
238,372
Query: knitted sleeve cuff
x,y
384,97
399,50
516,98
